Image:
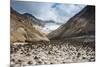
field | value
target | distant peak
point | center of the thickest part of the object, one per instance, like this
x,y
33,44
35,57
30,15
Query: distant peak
x,y
28,14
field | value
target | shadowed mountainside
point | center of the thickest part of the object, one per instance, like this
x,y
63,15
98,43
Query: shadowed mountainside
x,y
82,25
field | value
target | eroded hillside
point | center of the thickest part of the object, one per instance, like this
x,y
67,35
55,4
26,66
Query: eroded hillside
x,y
24,29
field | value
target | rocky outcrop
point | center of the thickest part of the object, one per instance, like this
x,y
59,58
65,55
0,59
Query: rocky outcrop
x,y
82,24
23,29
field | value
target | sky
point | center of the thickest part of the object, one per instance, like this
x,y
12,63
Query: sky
x,y
47,11
58,12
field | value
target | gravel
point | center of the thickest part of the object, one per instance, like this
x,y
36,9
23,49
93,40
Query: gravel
x,y
53,52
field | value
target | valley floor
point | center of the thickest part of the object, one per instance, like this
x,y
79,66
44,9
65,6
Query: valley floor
x,y
53,52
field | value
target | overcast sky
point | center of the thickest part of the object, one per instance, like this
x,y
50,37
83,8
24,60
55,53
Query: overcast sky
x,y
47,11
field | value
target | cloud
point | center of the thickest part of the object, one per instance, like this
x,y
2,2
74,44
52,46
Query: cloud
x,y
47,11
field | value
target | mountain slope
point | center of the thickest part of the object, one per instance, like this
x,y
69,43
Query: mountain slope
x,y
34,19
23,29
82,24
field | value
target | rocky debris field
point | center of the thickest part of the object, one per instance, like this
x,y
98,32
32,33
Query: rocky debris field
x,y
53,52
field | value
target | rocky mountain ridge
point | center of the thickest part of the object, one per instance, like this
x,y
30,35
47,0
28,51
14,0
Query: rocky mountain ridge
x,y
82,24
